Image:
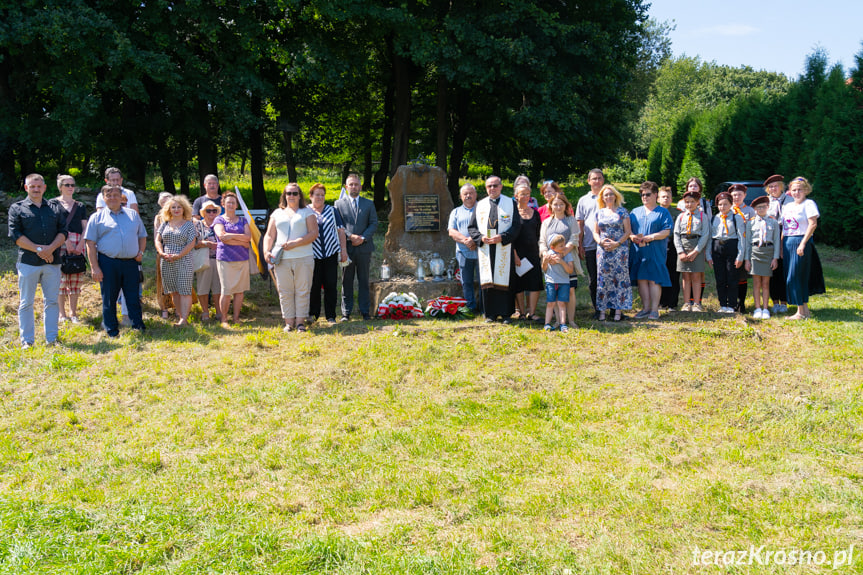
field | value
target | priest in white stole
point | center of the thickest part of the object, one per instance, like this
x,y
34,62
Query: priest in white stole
x,y
494,226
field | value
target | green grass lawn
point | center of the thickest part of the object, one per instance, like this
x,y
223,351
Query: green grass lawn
x,y
429,446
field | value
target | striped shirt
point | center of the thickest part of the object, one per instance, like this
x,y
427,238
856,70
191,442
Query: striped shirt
x,y
327,242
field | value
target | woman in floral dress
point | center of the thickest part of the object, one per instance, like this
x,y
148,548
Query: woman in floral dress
x,y
611,232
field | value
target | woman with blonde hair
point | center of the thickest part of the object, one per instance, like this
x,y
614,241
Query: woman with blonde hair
x,y
175,240
75,215
164,300
611,232
288,247
799,220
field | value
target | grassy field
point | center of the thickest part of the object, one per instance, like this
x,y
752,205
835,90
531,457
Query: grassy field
x,y
435,447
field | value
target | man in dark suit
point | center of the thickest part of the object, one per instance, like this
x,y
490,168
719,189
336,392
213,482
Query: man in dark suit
x,y
361,222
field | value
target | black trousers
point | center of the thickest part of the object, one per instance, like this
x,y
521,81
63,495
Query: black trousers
x,y
777,283
326,277
742,288
671,295
590,263
724,256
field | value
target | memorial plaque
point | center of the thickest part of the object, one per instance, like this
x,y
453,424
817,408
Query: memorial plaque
x,y
422,213
420,205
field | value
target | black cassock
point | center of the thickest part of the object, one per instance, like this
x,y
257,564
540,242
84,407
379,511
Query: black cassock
x,y
497,301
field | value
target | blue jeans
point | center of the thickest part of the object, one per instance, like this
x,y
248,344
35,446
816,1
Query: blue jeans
x,y
119,275
556,292
469,273
28,278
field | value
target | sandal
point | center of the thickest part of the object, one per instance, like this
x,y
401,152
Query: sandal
x,y
301,327
535,317
165,314
602,316
617,316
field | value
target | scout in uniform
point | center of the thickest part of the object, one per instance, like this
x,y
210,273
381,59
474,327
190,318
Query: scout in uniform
x,y
762,253
727,249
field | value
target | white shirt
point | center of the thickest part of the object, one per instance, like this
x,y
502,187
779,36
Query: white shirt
x,y
290,226
131,200
795,217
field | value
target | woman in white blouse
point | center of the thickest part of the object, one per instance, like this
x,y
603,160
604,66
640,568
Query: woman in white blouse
x,y
288,246
799,220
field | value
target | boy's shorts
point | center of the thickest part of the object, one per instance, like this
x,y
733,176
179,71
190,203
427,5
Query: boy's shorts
x,y
556,292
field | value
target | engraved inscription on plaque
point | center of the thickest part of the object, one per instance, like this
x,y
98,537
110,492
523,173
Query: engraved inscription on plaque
x,y
422,213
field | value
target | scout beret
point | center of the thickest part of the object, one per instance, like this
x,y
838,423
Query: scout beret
x,y
760,200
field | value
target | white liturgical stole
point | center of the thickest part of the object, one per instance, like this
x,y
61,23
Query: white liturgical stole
x,y
494,273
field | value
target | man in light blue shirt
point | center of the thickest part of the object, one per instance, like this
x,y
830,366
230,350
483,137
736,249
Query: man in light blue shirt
x,y
465,248
585,215
116,240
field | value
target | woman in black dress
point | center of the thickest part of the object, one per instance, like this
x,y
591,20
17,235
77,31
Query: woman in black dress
x,y
526,246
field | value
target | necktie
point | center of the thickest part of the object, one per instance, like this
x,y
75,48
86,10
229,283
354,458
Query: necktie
x,y
725,223
763,227
356,208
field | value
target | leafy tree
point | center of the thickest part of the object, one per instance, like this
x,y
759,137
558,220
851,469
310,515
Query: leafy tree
x,y
685,85
837,160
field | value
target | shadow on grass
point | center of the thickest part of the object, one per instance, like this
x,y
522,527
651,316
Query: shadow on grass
x,y
836,314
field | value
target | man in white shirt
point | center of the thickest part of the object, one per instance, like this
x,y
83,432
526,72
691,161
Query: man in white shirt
x,y
114,178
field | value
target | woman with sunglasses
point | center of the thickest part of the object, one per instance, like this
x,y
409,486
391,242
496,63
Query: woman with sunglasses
x,y
288,247
76,217
651,226
208,280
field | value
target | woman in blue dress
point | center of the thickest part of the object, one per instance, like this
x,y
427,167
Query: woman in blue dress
x,y
611,232
651,225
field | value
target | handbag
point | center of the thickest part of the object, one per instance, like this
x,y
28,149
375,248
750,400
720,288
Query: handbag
x,y
71,264
200,259
200,256
277,255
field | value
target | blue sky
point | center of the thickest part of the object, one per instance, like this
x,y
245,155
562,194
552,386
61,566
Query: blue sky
x,y
764,34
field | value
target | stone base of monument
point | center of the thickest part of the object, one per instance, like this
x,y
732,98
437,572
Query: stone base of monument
x,y
424,290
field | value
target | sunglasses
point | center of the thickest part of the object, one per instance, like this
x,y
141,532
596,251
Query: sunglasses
x,y
646,195
292,193
67,185
212,211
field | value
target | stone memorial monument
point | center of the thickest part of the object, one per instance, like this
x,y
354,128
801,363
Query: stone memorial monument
x,y
418,218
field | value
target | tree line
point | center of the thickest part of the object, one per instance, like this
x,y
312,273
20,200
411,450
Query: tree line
x,y
811,127
180,85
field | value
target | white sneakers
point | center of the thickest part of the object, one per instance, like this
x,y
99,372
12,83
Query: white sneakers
x,y
761,314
